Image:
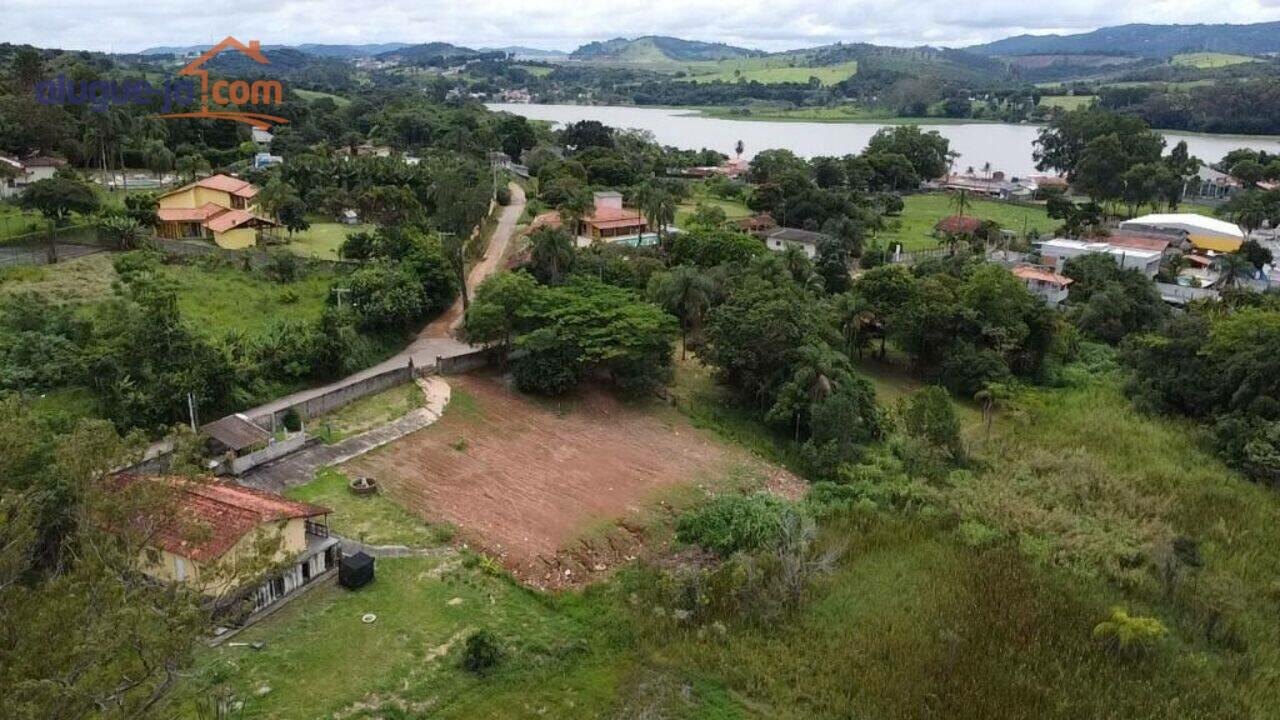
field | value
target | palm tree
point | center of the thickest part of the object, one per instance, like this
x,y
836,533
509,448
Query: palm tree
x,y
191,165
658,206
686,293
815,377
960,201
738,149
1234,268
857,319
575,207
986,169
552,254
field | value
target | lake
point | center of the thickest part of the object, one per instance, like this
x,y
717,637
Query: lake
x,y
1006,147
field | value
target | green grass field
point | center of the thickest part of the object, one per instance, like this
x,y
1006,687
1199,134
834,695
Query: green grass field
x,y
536,70
769,71
316,95
323,239
914,227
368,412
733,209
1067,102
1206,60
224,299
373,519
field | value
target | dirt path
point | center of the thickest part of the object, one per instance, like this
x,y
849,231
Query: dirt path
x,y
436,339
448,322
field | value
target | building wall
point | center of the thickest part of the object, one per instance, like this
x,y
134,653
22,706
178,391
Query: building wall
x,y
237,238
195,197
164,565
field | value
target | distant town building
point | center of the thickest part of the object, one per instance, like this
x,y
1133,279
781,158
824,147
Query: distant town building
x,y
1210,184
1197,231
1056,252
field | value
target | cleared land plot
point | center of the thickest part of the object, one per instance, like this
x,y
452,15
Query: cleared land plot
x,y
1067,102
1210,59
769,71
525,480
915,226
316,95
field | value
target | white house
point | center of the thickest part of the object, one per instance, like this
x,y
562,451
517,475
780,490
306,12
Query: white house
x,y
1045,284
1055,253
783,238
16,175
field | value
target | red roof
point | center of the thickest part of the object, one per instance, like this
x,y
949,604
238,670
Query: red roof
x,y
550,218
1027,272
224,183
611,217
43,161
210,516
233,219
200,214
1138,241
958,225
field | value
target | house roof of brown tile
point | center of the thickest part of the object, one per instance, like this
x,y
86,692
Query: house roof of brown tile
x,y
200,214
232,219
1027,272
224,183
209,517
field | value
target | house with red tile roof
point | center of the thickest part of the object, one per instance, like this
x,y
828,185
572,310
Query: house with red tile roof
x,y
218,537
218,207
1044,283
608,220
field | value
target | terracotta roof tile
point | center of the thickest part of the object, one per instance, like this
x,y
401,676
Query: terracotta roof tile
x,y
1027,272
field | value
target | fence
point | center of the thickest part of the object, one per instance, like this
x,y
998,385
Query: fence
x,y
318,405
274,451
466,362
36,248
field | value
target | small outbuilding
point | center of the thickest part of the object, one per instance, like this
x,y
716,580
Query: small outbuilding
x,y
355,571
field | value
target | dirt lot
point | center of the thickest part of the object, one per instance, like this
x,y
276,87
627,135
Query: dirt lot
x,y
559,493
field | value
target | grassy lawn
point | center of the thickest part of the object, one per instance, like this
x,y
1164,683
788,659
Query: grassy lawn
x,y
319,659
535,70
225,299
1206,60
368,412
83,280
769,71
915,226
373,519
733,209
323,239
1067,102
316,95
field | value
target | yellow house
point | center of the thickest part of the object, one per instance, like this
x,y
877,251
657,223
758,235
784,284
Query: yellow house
x,y
219,207
216,533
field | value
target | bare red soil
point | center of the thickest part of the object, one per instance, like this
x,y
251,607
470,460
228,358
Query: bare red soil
x,y
558,497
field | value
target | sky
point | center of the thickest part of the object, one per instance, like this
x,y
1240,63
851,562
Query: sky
x,y
132,25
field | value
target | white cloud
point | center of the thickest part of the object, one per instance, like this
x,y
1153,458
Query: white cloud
x,y
565,24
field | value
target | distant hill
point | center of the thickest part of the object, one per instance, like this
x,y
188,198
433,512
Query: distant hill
x,y
659,49
527,53
316,49
429,53
1153,41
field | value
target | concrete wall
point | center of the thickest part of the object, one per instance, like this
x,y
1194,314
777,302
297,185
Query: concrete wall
x,y
466,363
275,450
334,399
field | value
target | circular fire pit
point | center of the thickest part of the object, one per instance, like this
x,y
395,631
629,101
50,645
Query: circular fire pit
x,y
363,486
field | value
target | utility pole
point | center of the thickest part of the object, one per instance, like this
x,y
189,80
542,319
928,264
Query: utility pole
x,y
191,411
339,291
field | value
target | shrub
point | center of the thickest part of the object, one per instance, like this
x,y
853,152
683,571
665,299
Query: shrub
x,y
481,653
733,523
282,266
929,416
504,196
1130,634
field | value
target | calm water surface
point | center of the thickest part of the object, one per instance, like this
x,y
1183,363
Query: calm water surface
x,y
1006,147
